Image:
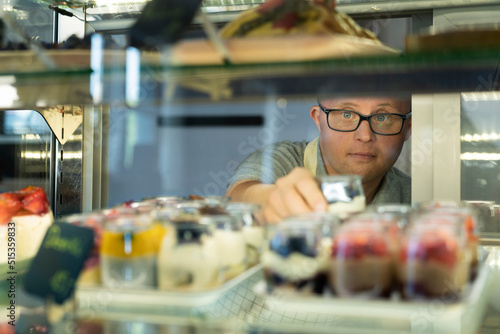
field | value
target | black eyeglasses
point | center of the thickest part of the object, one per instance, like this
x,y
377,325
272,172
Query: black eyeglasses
x,y
385,124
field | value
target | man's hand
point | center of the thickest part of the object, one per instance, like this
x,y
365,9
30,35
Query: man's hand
x,y
296,193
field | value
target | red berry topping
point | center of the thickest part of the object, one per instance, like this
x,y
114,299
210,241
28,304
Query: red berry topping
x,y
358,246
13,202
35,201
5,215
436,248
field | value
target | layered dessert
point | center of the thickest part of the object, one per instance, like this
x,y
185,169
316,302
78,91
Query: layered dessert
x,y
230,240
466,221
344,194
30,212
297,258
129,249
188,258
361,263
389,223
253,229
432,263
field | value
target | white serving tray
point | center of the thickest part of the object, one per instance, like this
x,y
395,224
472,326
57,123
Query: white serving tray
x,y
321,314
144,300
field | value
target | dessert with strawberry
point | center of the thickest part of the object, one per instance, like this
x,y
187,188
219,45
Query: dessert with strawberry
x,y
361,263
432,262
465,218
29,210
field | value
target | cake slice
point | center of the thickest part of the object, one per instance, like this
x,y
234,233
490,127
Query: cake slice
x,y
29,210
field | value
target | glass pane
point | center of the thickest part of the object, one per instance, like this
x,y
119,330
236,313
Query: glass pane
x,y
480,156
25,140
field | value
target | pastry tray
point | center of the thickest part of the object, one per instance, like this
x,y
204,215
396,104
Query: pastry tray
x,y
294,313
280,49
104,299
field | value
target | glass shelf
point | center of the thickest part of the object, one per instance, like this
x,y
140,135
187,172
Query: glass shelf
x,y
407,73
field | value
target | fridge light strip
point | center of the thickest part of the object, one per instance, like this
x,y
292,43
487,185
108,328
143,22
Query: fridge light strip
x,y
480,137
480,156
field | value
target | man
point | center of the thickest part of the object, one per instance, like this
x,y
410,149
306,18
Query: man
x,y
362,136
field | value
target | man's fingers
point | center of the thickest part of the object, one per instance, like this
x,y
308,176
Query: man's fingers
x,y
294,201
270,216
312,194
276,203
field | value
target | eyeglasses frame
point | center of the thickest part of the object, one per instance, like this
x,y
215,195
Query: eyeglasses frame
x,y
364,118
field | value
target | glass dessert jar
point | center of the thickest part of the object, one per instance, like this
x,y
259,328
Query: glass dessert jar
x,y
484,212
188,259
466,218
361,261
129,248
344,194
432,260
230,240
297,258
164,201
391,221
253,229
402,212
90,274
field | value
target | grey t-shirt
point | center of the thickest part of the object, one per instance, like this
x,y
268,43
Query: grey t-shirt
x,y
277,160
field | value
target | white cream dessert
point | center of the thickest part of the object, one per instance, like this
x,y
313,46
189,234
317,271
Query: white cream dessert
x,y
344,194
253,230
232,251
31,230
344,209
254,239
29,211
3,244
188,259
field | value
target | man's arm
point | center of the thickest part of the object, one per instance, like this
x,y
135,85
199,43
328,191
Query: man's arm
x,y
296,193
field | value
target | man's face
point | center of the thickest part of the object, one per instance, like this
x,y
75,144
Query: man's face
x,y
360,152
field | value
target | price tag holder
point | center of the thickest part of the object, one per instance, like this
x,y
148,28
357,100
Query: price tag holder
x,y
57,265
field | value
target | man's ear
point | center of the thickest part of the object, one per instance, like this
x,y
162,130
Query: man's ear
x,y
314,112
408,130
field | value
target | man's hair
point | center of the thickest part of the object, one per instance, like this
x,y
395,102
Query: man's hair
x,y
404,98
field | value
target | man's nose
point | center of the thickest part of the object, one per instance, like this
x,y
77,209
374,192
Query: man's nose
x,y
364,132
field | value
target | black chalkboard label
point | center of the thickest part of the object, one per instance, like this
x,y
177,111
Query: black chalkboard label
x,y
56,266
162,22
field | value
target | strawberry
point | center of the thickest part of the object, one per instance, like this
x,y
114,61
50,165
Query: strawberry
x,y
5,215
35,201
13,202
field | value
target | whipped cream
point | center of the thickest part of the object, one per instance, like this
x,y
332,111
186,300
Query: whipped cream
x,y
295,267
343,209
188,265
254,236
231,247
30,231
3,244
